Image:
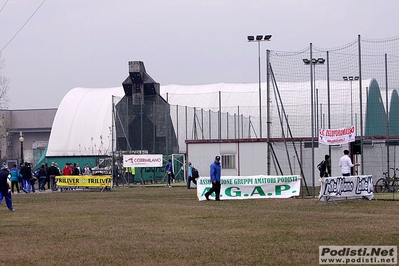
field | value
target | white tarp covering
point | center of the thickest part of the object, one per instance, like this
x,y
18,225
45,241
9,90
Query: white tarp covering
x,y
83,123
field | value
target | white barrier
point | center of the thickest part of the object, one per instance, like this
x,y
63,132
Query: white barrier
x,y
346,187
252,187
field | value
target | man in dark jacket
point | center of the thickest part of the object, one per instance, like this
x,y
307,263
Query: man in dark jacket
x,y
325,169
5,190
53,172
26,173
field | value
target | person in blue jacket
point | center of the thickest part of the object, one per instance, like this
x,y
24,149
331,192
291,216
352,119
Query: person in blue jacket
x,y
14,172
215,171
190,174
169,171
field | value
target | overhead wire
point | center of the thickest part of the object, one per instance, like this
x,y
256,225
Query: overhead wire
x,y
26,22
3,6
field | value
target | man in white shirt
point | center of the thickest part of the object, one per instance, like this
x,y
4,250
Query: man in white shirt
x,y
346,164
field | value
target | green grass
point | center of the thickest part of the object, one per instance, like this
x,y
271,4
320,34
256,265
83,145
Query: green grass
x,y
169,226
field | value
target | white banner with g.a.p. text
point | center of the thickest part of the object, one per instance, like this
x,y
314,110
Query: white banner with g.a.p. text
x,y
252,187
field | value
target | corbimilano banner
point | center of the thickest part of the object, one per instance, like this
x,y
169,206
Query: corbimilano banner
x,y
252,187
142,160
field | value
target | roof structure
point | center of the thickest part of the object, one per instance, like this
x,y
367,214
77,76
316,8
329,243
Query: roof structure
x,y
83,123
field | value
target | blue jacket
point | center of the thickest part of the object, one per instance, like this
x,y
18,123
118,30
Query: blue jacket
x,y
14,172
215,172
168,167
190,170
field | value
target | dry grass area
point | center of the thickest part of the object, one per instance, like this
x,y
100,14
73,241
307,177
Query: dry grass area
x,y
169,226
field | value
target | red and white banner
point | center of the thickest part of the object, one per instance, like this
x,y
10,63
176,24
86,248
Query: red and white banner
x,y
337,136
142,160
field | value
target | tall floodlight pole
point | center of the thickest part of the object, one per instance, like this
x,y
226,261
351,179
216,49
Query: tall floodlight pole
x,y
328,98
351,79
268,110
312,62
258,39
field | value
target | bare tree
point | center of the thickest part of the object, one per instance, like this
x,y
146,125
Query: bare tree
x,y
4,86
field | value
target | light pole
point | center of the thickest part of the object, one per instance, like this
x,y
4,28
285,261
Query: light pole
x,y
314,62
21,139
258,39
351,79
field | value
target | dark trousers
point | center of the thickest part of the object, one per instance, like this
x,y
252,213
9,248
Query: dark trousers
x,y
5,194
348,174
215,188
14,184
170,177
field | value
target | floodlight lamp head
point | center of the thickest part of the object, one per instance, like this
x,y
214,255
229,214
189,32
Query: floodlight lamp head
x,y
345,78
321,60
350,77
356,78
251,38
259,37
314,61
267,37
306,61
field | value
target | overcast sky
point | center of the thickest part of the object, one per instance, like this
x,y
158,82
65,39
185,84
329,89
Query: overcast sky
x,y
88,43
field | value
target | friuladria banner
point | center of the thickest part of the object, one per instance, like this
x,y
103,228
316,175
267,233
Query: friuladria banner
x,y
347,186
84,181
336,136
252,187
142,160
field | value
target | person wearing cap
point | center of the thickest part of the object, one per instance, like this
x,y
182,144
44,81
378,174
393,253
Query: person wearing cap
x,y
5,191
215,171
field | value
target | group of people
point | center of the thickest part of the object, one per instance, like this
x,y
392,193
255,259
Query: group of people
x,y
345,163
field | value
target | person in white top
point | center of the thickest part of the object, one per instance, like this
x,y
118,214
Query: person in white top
x,y
346,164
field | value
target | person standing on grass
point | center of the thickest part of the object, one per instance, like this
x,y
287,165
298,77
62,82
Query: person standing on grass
x,y
5,191
42,177
215,172
190,174
14,172
53,171
169,171
26,173
21,182
346,164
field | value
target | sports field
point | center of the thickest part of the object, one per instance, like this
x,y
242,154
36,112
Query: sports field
x,y
169,226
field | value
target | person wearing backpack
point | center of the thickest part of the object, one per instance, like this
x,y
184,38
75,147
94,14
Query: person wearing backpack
x,y
325,166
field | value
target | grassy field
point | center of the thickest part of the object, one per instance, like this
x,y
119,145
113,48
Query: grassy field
x,y
169,226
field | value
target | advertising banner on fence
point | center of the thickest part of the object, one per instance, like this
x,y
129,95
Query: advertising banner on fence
x,y
336,136
142,160
347,186
252,187
84,181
